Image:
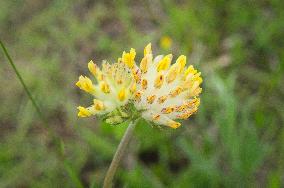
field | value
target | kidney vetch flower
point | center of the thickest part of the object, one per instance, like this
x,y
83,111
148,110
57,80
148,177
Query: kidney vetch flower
x,y
160,92
166,92
112,90
155,90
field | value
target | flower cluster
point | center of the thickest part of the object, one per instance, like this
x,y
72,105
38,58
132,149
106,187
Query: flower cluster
x,y
159,91
112,89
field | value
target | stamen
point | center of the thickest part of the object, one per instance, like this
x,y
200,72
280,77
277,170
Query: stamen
x,y
193,102
122,94
144,84
176,92
156,117
137,96
162,99
119,82
167,110
180,108
184,115
136,75
150,99
98,105
159,81
187,114
104,87
133,87
100,76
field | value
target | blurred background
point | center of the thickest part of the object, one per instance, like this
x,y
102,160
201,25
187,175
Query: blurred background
x,y
235,140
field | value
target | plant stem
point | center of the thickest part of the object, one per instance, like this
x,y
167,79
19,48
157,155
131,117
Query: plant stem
x,y
119,154
21,79
58,141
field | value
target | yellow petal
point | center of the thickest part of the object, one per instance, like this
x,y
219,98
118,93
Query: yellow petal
x,y
85,84
181,61
144,65
83,112
164,63
92,68
176,68
197,77
128,58
147,49
190,70
174,124
104,87
171,76
122,94
98,105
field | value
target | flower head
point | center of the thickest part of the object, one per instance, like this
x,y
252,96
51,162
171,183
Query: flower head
x,y
160,91
166,92
112,89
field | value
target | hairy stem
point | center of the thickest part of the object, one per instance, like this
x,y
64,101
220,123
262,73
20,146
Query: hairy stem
x,y
119,154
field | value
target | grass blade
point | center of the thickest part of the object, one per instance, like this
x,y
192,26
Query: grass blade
x,y
21,79
68,167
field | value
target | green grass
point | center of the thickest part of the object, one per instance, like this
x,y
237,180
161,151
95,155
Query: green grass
x,y
235,140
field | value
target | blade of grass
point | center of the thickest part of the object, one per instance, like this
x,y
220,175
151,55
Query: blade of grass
x,y
57,139
21,79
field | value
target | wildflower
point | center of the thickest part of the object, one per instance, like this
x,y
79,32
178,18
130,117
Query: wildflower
x,y
166,92
156,90
112,89
166,42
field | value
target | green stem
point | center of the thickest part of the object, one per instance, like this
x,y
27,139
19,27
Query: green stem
x,y
21,79
119,154
54,136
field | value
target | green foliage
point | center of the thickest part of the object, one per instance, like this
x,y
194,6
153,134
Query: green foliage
x,y
235,140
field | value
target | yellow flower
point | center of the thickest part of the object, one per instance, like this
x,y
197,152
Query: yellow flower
x,y
112,89
128,58
166,92
159,91
166,42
